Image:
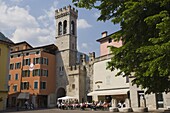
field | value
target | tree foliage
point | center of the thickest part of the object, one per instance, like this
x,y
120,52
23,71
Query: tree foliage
x,y
145,32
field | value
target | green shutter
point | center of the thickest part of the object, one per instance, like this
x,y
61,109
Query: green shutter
x,y
45,72
27,85
39,60
28,73
20,65
23,62
29,61
33,72
39,72
34,61
36,72
47,61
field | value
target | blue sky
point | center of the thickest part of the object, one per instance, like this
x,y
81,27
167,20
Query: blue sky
x,y
33,21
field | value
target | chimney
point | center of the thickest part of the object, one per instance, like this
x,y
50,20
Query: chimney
x,y
104,34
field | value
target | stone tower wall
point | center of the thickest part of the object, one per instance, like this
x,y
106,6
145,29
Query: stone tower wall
x,y
67,50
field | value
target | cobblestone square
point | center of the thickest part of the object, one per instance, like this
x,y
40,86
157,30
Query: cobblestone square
x,y
54,110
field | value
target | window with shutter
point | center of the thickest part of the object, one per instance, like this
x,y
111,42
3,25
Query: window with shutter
x,y
36,85
11,66
25,85
43,85
16,76
26,62
15,88
9,77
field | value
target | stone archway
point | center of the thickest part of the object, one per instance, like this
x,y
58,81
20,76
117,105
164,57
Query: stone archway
x,y
61,92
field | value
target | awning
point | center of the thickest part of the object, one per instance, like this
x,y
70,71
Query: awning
x,y
24,95
66,98
109,92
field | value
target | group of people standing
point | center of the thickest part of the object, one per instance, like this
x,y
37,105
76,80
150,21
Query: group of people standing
x,y
27,105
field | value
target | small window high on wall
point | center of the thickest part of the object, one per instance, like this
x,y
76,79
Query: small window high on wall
x,y
59,28
65,27
72,28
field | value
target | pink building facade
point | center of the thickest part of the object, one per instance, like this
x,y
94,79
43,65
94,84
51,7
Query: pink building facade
x,y
107,41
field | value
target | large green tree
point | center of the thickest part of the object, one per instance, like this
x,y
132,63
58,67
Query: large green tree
x,y
145,32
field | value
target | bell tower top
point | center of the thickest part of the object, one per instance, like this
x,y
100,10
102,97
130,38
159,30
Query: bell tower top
x,y
66,21
66,34
66,11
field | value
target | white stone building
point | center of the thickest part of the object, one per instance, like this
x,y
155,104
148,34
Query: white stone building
x,y
106,86
120,88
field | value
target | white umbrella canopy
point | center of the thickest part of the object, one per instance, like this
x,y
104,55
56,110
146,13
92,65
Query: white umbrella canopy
x,y
67,98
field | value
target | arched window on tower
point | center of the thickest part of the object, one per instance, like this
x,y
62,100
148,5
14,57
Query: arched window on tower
x,y
59,28
65,27
72,28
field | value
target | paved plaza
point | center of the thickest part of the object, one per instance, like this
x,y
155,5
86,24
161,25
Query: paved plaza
x,y
55,110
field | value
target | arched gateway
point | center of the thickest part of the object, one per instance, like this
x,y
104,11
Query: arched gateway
x,y
61,92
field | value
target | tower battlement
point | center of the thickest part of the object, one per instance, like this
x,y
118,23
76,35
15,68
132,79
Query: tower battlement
x,y
74,70
66,10
74,67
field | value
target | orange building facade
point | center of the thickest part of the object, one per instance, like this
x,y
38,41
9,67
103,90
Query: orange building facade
x,y
32,70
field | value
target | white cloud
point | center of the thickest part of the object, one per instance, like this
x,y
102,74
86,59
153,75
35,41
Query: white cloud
x,y
25,27
82,24
49,14
27,7
97,14
84,45
15,17
36,36
16,1
48,18
22,26
55,3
